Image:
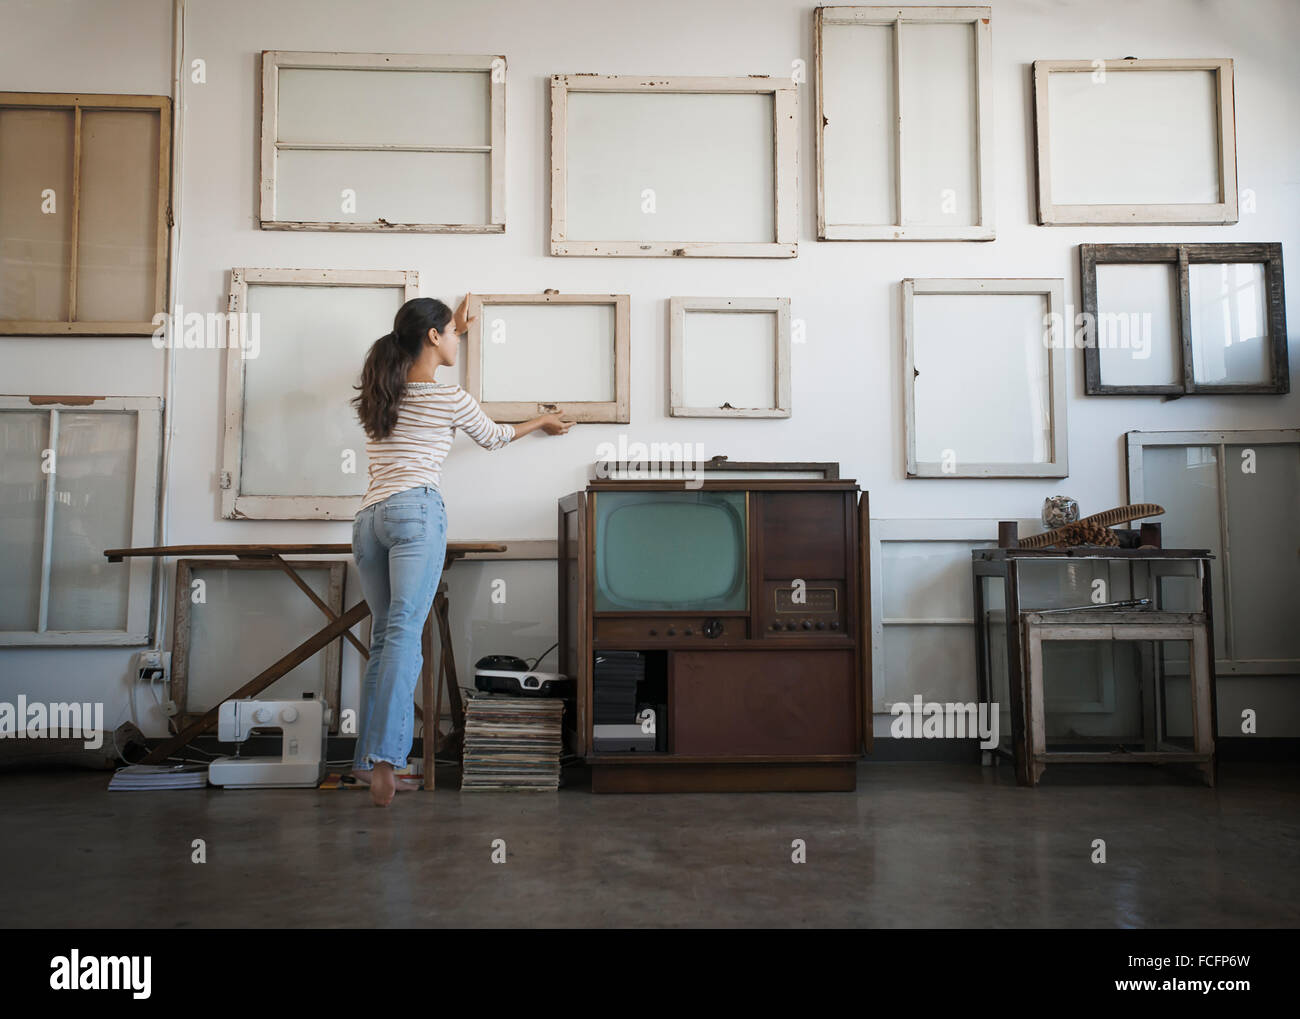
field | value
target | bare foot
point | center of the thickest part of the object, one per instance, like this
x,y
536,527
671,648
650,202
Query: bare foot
x,y
404,783
383,784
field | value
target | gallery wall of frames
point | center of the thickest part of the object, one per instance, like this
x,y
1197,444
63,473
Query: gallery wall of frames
x,y
977,255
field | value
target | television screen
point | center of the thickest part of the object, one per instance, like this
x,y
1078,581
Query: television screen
x,y
670,551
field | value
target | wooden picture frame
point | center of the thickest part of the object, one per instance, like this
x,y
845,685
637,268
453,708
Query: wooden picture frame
x,y
1228,544
1096,153
493,68
569,236
777,308
330,658
104,202
142,515
1053,398
840,122
617,409
235,502
1180,258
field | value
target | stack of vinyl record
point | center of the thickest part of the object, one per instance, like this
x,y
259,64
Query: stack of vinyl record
x,y
614,681
512,743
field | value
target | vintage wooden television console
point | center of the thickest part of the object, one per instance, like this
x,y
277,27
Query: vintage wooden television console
x,y
748,600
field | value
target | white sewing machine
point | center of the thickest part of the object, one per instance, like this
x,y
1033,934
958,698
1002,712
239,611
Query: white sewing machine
x,y
304,726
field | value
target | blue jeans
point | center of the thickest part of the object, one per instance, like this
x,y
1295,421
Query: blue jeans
x,y
398,545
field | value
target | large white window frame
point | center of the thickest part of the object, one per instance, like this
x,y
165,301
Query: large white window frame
x,y
785,148
1223,211
828,120
493,67
148,452
234,503
1052,337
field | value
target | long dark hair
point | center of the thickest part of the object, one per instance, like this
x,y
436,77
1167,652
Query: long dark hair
x,y
383,376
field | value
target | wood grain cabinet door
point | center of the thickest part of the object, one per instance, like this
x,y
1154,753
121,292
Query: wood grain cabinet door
x,y
764,703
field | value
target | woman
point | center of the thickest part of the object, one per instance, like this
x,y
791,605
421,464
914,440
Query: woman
x,y
399,536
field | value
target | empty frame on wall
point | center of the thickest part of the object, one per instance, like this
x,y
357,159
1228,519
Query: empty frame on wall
x,y
729,357
984,389
1236,493
922,618
294,448
1135,141
85,185
246,610
79,475
383,142
1178,319
674,166
531,354
904,123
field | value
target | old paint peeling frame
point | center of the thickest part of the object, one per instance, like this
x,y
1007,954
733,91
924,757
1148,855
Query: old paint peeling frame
x,y
980,19
494,66
1222,212
616,411
678,307
234,504
785,137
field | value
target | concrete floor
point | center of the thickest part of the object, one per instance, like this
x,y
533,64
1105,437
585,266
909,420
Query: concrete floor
x,y
918,845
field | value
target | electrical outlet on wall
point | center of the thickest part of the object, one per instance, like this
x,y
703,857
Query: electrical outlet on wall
x,y
153,666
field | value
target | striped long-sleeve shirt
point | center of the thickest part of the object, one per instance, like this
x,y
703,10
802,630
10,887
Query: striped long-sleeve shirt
x,y
412,454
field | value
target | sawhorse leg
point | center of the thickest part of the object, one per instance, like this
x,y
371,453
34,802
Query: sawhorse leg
x,y
431,688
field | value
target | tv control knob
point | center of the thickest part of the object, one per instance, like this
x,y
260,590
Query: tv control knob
x,y
712,628
807,624
654,632
672,631
776,626
835,624
688,632
821,625
789,626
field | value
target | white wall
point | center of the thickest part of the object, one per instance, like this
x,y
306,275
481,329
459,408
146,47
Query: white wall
x,y
847,395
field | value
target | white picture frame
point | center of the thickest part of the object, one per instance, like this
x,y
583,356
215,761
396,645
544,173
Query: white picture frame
x,y
594,330
141,514
237,500
753,192
868,93
363,101
768,381
1041,411
1102,164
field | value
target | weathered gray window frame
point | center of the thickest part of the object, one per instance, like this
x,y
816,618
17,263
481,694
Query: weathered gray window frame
x,y
785,138
981,19
492,66
1222,212
678,307
1182,256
